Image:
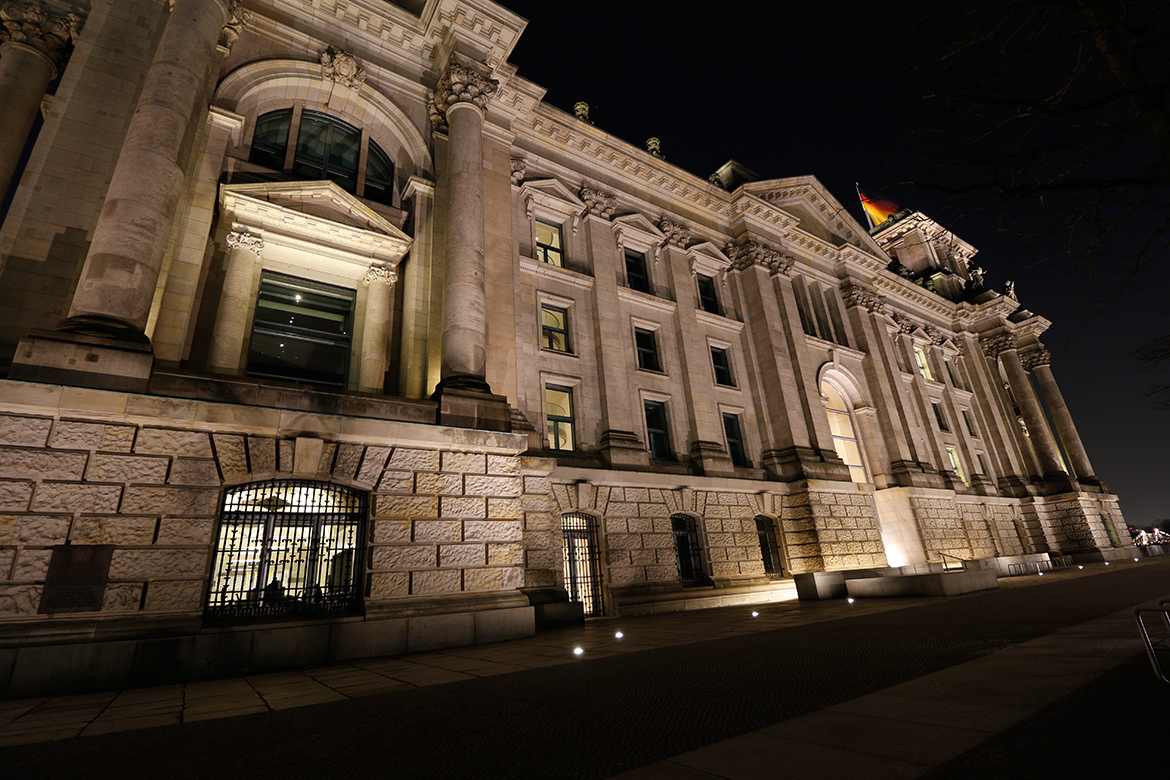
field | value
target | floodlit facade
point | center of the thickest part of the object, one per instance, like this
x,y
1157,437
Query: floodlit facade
x,y
325,337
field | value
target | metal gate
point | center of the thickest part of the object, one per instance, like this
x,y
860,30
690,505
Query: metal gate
x,y
686,550
582,561
769,548
288,547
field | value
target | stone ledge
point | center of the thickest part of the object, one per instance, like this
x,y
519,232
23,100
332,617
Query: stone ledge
x,y
948,584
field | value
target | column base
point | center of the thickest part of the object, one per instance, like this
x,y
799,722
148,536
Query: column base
x,y
80,360
469,407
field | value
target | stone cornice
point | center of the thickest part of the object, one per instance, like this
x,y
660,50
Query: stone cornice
x,y
556,273
896,287
646,299
747,251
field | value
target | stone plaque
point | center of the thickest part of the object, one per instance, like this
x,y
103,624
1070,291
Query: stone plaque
x,y
77,576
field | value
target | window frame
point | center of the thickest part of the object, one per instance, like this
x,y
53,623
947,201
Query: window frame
x,y
545,330
940,417
569,421
688,559
658,439
545,252
647,284
647,354
736,418
957,464
922,360
708,302
730,375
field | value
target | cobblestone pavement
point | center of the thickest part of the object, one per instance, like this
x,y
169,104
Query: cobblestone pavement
x,y
1041,673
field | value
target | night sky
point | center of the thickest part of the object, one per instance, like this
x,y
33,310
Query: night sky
x,y
814,88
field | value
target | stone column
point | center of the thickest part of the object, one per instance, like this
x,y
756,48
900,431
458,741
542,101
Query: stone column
x,y
33,46
1004,347
1039,361
118,280
460,100
376,328
227,339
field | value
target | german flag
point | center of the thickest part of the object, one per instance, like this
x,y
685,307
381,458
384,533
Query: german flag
x,y
876,211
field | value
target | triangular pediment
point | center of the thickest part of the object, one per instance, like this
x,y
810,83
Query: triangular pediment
x,y
816,210
552,194
707,258
639,223
320,199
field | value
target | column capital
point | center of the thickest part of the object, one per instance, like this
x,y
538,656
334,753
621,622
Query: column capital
x,y
748,251
598,203
460,85
238,18
1001,342
856,295
242,239
30,24
676,233
1033,358
381,273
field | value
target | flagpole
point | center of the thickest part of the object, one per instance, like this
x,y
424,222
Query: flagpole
x,y
864,210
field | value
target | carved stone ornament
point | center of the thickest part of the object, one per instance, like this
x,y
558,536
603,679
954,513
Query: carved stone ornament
x,y
856,295
1023,427
936,336
238,18
676,233
519,170
460,84
1040,356
242,239
380,273
30,24
747,252
598,203
342,68
993,345
905,324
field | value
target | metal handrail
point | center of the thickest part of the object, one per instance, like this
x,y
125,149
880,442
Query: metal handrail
x,y
1154,645
962,562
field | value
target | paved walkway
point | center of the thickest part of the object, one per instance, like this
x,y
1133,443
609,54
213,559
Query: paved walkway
x,y
870,689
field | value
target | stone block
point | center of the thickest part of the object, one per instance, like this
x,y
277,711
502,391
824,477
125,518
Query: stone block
x,y
169,500
505,465
640,525
438,531
405,506
451,506
389,584
413,460
514,577
373,462
122,597
262,454
231,455
41,464
184,530
464,462
504,508
174,595
404,557
369,638
494,530
348,458
662,573
478,580
439,484
537,485
643,557
15,495
497,625
396,482
158,564
462,556
164,441
74,497
391,531
539,504
127,469
505,554
423,583
31,565
281,648
24,431
626,575
657,540
20,599
36,530
72,435
434,631
194,471
82,667
115,530
504,487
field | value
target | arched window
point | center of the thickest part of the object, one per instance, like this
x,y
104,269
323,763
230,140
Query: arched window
x,y
687,550
582,561
844,433
288,547
324,147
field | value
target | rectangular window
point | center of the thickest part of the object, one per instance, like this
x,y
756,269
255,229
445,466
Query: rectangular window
x,y
938,415
923,365
558,411
301,331
954,375
722,365
708,300
636,276
956,465
983,465
970,423
734,434
549,246
554,328
657,435
647,345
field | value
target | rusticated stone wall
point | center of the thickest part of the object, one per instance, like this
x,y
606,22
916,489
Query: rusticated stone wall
x,y
847,531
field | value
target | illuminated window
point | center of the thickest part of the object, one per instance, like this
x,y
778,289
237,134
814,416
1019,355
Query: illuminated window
x,y
549,246
708,300
582,561
323,148
288,547
923,365
657,433
844,438
647,345
956,464
687,551
554,328
769,549
734,434
636,276
722,365
558,410
301,331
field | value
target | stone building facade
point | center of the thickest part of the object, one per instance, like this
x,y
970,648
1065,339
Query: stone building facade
x,y
529,371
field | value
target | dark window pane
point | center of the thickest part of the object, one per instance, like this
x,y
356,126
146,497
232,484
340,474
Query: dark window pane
x,y
301,331
656,431
270,141
734,435
722,367
636,276
647,347
708,300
